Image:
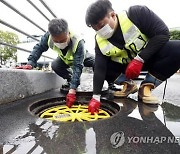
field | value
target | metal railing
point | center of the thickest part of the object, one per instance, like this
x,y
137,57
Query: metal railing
x,y
47,7
21,14
28,19
18,30
38,10
13,46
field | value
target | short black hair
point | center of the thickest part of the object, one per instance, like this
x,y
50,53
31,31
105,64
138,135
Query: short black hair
x,y
97,11
57,26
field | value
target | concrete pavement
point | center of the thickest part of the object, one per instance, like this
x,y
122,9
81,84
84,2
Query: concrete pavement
x,y
137,128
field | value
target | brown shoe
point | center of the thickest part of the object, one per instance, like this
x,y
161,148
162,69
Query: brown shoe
x,y
129,87
144,94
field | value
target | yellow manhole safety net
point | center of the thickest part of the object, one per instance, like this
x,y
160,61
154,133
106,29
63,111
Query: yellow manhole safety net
x,y
75,113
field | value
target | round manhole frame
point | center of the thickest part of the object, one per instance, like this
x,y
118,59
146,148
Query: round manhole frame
x,y
38,107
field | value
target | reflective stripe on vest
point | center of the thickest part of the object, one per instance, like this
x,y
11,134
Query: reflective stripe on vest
x,y
134,41
69,57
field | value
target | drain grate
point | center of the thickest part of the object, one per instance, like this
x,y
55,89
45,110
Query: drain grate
x,y
75,113
55,109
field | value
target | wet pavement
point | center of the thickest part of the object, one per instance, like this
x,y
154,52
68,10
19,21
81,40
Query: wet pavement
x,y
137,128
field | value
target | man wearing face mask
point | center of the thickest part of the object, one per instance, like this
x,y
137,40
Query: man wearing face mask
x,y
126,43
71,54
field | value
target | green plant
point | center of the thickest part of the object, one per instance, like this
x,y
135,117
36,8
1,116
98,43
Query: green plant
x,y
175,35
6,52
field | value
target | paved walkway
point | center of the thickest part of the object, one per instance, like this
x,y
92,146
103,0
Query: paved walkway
x,y
137,128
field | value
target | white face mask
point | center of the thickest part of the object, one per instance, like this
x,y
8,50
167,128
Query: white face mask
x,y
61,45
105,32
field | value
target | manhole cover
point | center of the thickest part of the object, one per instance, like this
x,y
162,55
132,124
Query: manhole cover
x,y
55,109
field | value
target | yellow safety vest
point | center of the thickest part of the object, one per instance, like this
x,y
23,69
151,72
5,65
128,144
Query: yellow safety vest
x,y
134,41
69,57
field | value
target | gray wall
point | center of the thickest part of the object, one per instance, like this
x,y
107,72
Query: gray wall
x,y
17,84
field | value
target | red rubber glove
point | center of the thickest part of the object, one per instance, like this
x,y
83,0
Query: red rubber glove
x,y
94,106
133,69
70,99
26,67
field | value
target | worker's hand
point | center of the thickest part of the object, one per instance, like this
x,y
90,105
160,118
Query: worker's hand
x,y
133,69
94,106
71,97
26,67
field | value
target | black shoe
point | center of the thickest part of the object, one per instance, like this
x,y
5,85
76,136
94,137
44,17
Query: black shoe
x,y
113,87
66,85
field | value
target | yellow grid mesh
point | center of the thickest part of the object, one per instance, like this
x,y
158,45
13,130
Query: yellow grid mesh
x,y
76,112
